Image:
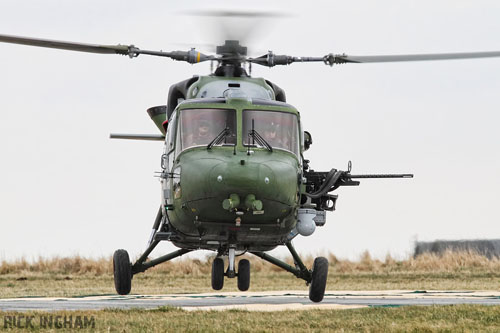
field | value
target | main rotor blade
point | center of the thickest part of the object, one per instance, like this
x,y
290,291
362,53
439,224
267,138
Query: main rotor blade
x,y
72,46
192,56
235,13
332,59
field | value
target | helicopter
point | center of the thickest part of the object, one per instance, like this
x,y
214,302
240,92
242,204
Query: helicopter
x,y
234,178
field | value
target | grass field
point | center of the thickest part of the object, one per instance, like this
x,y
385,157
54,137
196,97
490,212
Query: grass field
x,y
78,276
455,318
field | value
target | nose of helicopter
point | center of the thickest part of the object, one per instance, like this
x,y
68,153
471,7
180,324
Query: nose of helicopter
x,y
264,190
243,178
263,181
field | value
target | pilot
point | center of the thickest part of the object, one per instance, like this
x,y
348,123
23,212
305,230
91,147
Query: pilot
x,y
202,135
271,134
277,136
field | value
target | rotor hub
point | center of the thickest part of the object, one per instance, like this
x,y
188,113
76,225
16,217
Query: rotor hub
x,y
231,47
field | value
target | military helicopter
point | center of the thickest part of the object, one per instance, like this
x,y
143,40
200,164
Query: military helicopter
x,y
233,174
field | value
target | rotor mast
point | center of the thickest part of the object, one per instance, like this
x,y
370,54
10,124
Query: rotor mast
x,y
233,55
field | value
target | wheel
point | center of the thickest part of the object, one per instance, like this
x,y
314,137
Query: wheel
x,y
318,283
122,272
218,274
243,275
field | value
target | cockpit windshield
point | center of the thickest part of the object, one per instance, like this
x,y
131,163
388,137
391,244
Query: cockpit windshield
x,y
279,129
199,127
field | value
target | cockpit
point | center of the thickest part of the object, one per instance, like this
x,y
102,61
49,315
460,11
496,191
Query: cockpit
x,y
278,129
199,127
218,127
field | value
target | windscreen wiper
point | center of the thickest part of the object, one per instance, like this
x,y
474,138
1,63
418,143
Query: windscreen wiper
x,y
218,139
259,139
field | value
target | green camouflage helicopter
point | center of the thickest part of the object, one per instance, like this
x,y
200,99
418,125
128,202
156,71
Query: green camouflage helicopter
x,y
234,178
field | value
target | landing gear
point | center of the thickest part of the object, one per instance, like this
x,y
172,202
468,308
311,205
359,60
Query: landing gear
x,y
244,275
318,283
122,272
218,274
316,278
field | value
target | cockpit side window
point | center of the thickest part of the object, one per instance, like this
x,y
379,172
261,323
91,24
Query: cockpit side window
x,y
279,129
171,133
199,127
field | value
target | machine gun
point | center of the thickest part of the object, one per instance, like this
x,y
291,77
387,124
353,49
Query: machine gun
x,y
319,184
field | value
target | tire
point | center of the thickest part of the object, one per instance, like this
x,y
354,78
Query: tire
x,y
122,272
318,283
218,274
243,275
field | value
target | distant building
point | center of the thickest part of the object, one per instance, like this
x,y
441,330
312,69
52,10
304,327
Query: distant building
x,y
487,247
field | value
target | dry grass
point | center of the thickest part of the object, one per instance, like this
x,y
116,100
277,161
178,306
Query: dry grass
x,y
76,276
450,262
57,265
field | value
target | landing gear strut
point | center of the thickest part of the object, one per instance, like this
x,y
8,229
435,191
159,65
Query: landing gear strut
x,y
315,278
231,269
243,273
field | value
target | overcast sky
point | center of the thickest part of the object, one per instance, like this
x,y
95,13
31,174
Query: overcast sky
x,y
66,189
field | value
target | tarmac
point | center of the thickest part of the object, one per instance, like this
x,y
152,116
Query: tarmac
x,y
254,301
